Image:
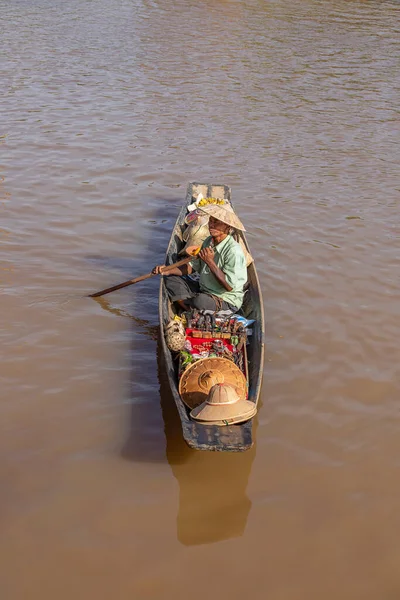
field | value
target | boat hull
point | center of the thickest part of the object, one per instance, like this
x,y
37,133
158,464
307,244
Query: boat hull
x,y
230,438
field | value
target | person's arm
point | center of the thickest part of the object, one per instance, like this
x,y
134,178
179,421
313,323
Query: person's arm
x,y
183,270
235,269
207,255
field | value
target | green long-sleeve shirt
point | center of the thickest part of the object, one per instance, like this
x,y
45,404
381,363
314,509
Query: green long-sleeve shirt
x,y
229,257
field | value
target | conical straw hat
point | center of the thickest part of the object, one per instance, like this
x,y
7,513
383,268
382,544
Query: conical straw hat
x,y
198,379
224,213
224,406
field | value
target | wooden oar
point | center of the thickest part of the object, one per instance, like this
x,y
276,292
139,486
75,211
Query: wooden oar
x,y
180,263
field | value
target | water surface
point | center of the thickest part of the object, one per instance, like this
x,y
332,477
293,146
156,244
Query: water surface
x,y
108,110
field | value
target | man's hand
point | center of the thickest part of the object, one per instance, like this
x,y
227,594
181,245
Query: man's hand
x,y
207,255
158,269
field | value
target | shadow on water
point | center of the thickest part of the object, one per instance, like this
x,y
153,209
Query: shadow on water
x,y
145,439
213,504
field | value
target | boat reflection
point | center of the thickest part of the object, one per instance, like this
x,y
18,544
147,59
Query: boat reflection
x,y
213,504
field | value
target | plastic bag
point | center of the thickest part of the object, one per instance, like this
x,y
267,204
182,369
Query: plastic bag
x,y
243,320
196,231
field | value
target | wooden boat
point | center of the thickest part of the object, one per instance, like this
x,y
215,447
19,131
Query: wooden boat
x,y
233,438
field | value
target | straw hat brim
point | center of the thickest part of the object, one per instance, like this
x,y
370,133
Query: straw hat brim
x,y
212,414
224,213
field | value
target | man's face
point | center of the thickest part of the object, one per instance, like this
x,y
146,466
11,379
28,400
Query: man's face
x,y
216,227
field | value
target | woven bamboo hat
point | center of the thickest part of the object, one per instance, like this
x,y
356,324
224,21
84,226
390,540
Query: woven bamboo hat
x,y
198,379
224,213
224,406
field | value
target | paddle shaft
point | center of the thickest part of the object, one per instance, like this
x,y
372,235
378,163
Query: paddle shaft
x,y
180,263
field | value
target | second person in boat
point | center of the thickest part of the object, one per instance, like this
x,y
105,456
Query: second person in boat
x,y
220,263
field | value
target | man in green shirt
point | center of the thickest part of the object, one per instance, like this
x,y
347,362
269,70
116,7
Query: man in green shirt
x,y
221,264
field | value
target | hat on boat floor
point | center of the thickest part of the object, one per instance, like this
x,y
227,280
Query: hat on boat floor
x,y
198,379
224,406
224,213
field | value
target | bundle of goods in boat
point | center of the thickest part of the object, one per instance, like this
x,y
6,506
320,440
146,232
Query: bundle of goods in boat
x,y
209,324
205,201
175,335
199,348
200,200
196,230
211,336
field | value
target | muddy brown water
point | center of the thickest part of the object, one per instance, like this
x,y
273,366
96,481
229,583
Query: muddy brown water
x,y
108,109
